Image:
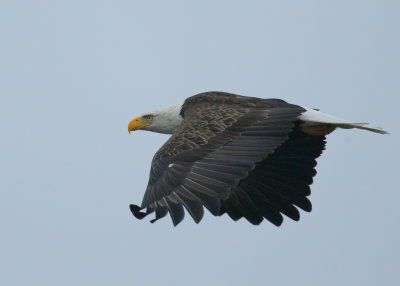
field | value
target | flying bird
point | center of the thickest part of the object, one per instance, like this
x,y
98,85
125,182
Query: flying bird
x,y
244,156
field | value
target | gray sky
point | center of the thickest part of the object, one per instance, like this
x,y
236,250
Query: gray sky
x,y
72,75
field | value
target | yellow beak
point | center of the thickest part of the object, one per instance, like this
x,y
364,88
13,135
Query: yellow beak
x,y
136,124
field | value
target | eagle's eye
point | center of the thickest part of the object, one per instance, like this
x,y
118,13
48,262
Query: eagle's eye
x,y
148,117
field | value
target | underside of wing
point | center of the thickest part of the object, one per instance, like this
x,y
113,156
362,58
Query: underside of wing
x,y
278,184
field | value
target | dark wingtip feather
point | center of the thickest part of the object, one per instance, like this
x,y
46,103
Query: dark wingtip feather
x,y
160,210
247,207
277,222
194,208
303,203
175,211
136,211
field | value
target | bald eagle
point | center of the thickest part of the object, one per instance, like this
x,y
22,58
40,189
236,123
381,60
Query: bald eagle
x,y
245,156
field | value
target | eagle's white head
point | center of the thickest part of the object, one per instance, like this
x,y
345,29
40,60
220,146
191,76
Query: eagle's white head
x,y
164,120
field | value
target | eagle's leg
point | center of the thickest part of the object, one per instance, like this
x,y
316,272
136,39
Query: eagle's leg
x,y
319,130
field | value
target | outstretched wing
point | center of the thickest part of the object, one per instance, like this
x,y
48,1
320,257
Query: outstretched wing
x,y
221,140
278,183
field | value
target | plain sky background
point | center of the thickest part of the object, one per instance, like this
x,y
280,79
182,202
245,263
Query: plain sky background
x,y
72,75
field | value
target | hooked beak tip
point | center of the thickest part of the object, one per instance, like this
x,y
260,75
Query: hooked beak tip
x,y
136,124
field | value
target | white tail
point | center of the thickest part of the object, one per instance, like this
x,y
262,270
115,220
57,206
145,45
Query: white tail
x,y
314,118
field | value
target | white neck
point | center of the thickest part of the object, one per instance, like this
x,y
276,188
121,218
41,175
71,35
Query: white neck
x,y
166,120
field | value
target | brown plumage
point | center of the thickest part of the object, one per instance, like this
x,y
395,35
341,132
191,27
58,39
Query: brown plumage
x,y
244,156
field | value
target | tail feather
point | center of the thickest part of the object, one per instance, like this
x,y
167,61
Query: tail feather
x,y
313,117
364,127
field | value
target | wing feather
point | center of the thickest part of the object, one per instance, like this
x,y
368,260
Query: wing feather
x,y
281,182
